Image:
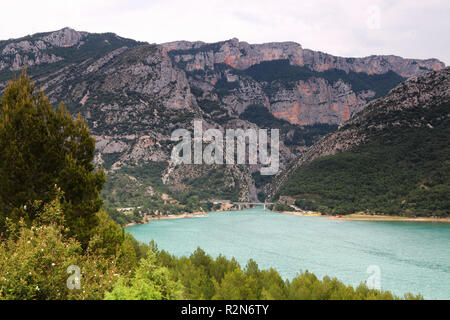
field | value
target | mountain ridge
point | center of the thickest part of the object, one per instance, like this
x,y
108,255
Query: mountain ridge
x,y
134,94
297,55
299,93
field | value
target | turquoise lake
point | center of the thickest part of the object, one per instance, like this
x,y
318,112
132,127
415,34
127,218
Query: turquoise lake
x,y
411,256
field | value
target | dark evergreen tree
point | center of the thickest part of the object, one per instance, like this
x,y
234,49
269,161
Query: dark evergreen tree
x,y
42,150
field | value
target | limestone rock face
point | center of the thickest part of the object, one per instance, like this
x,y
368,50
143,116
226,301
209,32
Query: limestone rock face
x,y
37,49
316,101
315,96
64,38
371,65
241,55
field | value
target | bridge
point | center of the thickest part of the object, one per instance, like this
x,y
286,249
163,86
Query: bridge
x,y
240,204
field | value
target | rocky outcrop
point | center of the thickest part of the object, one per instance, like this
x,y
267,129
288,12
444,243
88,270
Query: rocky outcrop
x,y
316,101
320,61
66,37
45,48
36,49
104,60
241,55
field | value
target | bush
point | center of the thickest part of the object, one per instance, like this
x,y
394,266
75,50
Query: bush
x,y
150,282
34,262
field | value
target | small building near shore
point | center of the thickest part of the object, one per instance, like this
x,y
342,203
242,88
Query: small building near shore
x,y
286,200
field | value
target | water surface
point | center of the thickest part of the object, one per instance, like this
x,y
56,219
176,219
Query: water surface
x,y
412,256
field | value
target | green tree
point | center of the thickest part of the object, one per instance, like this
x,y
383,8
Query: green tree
x,y
39,148
236,285
150,282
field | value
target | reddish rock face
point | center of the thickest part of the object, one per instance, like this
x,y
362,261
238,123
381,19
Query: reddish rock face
x,y
293,113
315,101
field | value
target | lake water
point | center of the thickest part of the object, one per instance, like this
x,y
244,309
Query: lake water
x,y
411,256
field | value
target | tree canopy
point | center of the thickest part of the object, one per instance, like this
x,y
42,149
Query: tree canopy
x,y
40,148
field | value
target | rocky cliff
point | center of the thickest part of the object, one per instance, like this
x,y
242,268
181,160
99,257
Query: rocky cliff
x,y
241,55
299,85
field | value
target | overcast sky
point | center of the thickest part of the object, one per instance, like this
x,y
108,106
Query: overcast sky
x,y
408,28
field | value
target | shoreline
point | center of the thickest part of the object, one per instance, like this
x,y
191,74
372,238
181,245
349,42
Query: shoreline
x,y
367,217
350,217
167,217
364,217
300,214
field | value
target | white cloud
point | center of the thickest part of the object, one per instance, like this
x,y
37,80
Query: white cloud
x,y
413,28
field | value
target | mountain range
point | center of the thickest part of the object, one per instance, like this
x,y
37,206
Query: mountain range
x,y
134,95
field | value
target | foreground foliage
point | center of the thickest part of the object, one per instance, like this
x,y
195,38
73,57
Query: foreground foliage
x,y
149,282
34,262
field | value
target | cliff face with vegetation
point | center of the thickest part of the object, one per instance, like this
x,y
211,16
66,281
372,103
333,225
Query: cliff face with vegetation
x,y
134,95
392,157
241,55
299,85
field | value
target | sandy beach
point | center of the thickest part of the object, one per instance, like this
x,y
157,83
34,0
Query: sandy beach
x,y
302,214
367,217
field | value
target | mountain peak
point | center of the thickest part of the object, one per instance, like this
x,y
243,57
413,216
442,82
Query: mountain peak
x,y
65,37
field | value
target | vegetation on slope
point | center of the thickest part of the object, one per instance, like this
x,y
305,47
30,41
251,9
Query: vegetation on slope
x,y
214,184
94,46
294,134
141,187
127,186
282,71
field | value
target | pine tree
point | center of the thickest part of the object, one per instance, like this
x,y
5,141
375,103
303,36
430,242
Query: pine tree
x,y
41,150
